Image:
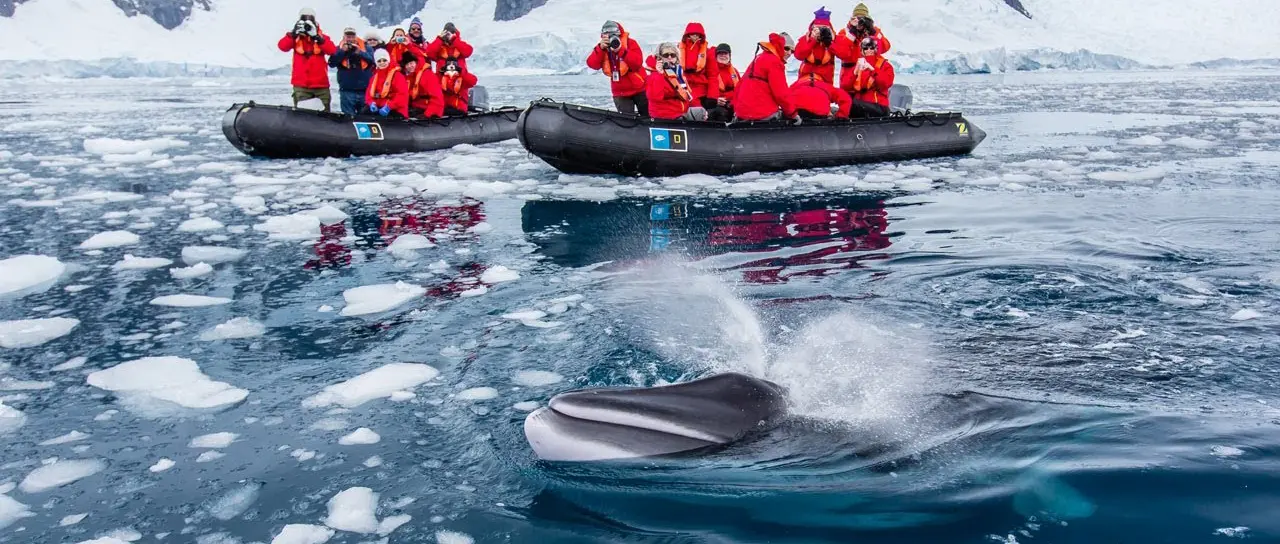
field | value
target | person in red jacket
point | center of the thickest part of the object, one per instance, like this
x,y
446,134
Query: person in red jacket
x,y
620,58
815,50
388,91
310,77
763,90
449,47
456,82
700,67
872,77
400,45
426,100
667,89
727,84
813,98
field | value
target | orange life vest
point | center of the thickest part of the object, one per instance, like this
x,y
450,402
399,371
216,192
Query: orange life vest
x,y
453,95
300,46
734,77
699,60
364,64
390,76
623,69
682,89
863,83
448,53
826,57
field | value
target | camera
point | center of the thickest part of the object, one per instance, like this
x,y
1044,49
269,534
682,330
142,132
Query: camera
x,y
615,42
825,36
866,27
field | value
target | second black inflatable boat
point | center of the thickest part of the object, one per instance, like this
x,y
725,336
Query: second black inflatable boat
x,y
584,140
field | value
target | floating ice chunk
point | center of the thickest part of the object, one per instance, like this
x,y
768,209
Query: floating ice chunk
x,y
1184,302
1018,313
189,301
526,406
26,333
29,274
235,502
200,224
390,523
290,227
372,299
328,215
1191,143
240,327
482,227
168,379
1143,141
27,126
193,271
1103,155
401,396
11,511
60,473
361,436
405,244
72,363
353,510
1197,285
302,455
211,254
299,533
372,462
214,440
72,436
210,456
108,146
11,419
112,238
453,537
162,465
536,378
499,274
378,383
468,166
1226,451
527,315
72,519
1245,314
141,263
104,540
1130,175
1233,532
474,291
477,393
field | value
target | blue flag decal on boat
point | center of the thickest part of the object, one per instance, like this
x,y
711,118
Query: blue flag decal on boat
x,y
668,139
368,131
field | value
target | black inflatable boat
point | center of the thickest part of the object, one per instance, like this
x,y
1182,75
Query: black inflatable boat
x,y
282,132
584,140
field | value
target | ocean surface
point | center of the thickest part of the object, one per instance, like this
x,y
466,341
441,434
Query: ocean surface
x,y
1069,336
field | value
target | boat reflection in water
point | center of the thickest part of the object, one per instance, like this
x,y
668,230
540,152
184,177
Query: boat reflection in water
x,y
767,241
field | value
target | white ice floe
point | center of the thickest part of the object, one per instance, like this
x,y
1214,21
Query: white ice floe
x,y
474,291
378,383
453,537
1232,532
213,440
26,333
235,501
499,274
1143,141
70,364
72,436
166,380
526,406
1191,143
372,462
23,275
328,215
189,301
404,245
111,238
60,473
240,327
12,511
390,523
536,378
162,465
290,227
1130,175
353,510
526,315
361,436
371,299
211,254
1226,451
299,533
1246,314
1198,285
72,519
193,271
477,393
11,419
12,384
200,224
114,146
210,456
401,396
129,262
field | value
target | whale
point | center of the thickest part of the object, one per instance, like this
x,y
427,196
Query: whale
x,y
619,423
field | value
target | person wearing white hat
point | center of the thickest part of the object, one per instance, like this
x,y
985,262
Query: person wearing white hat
x,y
388,91
310,46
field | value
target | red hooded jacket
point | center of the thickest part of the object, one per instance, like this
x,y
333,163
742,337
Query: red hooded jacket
x,y
388,86
455,89
441,52
815,96
425,93
668,97
764,84
700,66
872,85
815,58
399,50
310,68
729,80
625,67
847,49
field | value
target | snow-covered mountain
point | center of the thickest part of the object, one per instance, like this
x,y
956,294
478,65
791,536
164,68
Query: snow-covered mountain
x,y
953,36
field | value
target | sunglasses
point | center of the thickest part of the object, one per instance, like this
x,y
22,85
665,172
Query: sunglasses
x,y
669,55
384,61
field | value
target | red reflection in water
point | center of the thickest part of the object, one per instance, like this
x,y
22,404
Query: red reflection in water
x,y
839,238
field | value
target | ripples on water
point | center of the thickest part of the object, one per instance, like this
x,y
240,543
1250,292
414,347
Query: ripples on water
x,y
1046,341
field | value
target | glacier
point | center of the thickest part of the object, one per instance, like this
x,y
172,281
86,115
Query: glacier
x,y
237,37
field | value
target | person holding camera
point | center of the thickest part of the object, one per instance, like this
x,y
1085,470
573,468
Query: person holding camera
x,y
872,77
400,45
699,66
388,93
455,82
668,90
813,98
310,76
619,57
449,47
355,66
426,99
763,93
815,50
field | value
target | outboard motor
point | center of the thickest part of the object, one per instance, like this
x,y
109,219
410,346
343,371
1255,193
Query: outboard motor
x,y
479,99
899,99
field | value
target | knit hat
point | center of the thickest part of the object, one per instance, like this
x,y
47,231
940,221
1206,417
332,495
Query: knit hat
x,y
861,10
304,12
349,29
372,35
406,59
415,21
724,49
382,54
611,27
822,17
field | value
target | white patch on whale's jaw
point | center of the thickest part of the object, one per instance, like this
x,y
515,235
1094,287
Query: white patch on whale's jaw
x,y
552,442
632,419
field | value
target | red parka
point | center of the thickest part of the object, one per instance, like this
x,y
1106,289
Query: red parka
x,y
399,50
815,96
425,93
310,68
700,67
669,97
625,67
815,58
455,89
441,53
729,80
872,85
388,87
848,50
764,84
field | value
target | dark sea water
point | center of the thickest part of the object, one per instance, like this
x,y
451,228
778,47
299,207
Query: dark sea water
x,y
1069,336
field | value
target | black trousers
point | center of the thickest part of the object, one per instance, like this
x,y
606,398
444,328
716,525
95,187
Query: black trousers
x,y
453,112
635,104
863,110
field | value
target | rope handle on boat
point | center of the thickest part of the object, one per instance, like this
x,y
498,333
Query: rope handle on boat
x,y
602,120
